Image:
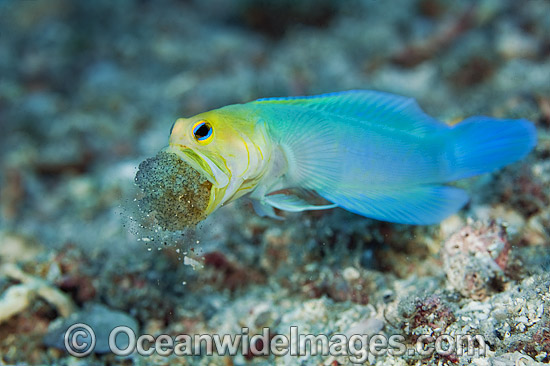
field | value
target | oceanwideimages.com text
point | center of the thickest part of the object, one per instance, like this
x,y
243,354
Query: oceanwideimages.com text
x,y
80,341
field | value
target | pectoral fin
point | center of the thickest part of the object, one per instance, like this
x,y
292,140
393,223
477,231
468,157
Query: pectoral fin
x,y
292,203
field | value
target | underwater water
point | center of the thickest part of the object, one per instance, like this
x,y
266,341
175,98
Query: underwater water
x,y
89,90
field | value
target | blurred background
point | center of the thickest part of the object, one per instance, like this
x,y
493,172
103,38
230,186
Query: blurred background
x,y
88,89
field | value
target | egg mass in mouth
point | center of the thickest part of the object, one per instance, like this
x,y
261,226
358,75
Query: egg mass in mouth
x,y
174,194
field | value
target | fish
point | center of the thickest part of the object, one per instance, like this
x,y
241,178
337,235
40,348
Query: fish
x,y
369,152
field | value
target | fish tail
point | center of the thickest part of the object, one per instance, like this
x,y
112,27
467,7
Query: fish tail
x,y
484,144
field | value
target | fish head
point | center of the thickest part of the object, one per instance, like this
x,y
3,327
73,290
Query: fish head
x,y
227,150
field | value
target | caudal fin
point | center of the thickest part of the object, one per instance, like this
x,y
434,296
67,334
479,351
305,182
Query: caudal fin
x,y
484,144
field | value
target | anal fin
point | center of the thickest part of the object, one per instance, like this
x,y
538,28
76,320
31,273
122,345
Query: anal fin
x,y
417,205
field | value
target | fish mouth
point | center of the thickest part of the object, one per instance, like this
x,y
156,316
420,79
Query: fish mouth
x,y
218,176
173,194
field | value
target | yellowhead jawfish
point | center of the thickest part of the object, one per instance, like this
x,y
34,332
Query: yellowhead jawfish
x,y
372,153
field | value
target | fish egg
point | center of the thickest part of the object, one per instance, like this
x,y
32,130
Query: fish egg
x,y
174,194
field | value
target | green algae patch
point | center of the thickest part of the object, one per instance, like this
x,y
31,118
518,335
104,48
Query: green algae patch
x,y
174,194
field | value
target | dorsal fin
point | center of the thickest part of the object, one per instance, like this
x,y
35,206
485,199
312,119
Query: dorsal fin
x,y
370,106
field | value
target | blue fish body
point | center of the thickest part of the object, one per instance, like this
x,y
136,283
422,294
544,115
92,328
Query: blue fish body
x,y
379,155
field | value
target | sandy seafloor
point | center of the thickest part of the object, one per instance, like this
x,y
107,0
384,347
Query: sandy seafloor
x,y
89,89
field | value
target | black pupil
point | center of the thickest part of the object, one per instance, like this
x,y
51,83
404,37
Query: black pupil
x,y
202,131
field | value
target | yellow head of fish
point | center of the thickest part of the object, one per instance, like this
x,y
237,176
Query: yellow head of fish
x,y
226,146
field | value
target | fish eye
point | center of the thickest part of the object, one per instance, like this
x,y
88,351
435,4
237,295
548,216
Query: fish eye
x,y
202,131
